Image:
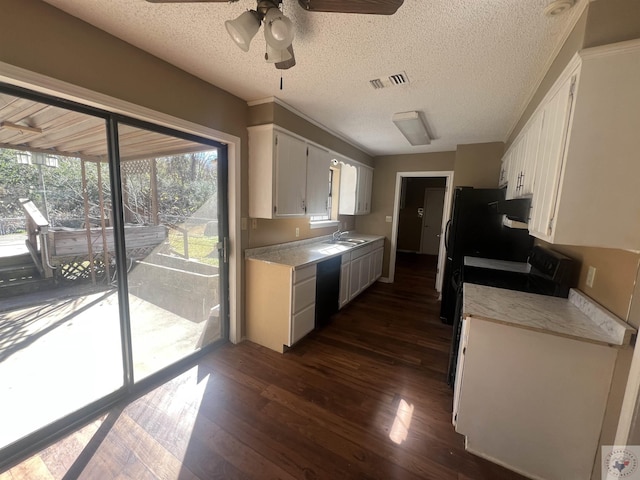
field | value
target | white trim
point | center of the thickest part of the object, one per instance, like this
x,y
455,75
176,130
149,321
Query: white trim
x,y
577,12
13,75
611,49
297,112
448,197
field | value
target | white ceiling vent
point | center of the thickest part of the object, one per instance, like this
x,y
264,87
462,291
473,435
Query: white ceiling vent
x,y
390,81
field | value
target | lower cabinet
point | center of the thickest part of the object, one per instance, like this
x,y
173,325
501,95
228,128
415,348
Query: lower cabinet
x,y
280,303
531,401
365,268
345,270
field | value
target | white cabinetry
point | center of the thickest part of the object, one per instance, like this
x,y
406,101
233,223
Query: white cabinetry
x,y
355,189
586,179
521,159
345,270
366,267
288,177
524,397
318,172
280,303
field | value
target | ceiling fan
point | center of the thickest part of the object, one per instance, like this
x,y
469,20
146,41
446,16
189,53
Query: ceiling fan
x,y
278,29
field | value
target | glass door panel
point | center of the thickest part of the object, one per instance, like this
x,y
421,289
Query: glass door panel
x,y
170,190
60,338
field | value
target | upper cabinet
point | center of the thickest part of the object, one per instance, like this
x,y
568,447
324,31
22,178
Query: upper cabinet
x,y
288,177
585,162
355,189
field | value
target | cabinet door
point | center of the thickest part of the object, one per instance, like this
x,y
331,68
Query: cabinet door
x,y
504,171
365,180
365,271
345,269
318,173
549,161
515,168
354,278
348,188
302,323
291,175
377,263
531,145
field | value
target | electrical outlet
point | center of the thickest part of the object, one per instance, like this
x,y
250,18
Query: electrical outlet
x,y
297,232
254,223
591,276
388,219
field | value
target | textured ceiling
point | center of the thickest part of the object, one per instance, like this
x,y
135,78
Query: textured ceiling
x,y
472,64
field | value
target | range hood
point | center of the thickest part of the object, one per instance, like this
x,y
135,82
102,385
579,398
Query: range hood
x,y
516,209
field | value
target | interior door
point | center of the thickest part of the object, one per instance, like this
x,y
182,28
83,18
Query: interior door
x,y
432,221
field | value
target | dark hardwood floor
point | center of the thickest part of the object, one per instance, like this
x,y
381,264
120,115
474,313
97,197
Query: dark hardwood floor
x,y
323,410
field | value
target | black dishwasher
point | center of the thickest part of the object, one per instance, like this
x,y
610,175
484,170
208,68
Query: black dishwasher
x,y
327,290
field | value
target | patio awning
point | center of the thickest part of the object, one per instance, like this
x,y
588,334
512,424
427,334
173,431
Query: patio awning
x,y
37,127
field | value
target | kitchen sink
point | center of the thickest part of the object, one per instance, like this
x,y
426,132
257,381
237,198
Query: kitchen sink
x,y
357,241
345,242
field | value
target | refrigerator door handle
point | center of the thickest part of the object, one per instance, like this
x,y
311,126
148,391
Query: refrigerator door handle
x,y
446,235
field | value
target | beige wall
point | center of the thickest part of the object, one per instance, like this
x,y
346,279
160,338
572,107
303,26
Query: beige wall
x,y
384,185
478,165
43,39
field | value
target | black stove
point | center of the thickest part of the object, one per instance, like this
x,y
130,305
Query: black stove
x,y
545,273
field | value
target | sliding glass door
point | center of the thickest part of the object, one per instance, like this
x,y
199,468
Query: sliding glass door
x,y
171,194
111,260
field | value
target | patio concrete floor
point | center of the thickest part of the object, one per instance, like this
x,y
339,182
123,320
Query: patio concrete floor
x,y
60,350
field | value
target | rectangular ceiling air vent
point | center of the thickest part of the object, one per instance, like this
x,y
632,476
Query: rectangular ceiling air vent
x,y
390,81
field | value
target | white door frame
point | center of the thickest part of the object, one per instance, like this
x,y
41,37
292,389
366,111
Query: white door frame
x,y
448,197
20,77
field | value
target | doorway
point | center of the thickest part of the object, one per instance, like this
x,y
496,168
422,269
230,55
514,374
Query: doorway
x,y
411,214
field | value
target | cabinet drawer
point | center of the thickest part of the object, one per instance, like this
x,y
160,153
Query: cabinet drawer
x,y
304,293
361,251
300,274
302,323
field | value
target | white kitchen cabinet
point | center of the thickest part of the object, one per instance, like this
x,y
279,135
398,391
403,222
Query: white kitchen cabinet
x,y
365,183
524,397
378,255
345,270
288,176
586,190
280,303
366,267
354,277
521,158
318,172
355,189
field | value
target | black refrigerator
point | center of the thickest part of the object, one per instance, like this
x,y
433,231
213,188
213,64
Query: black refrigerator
x,y
476,229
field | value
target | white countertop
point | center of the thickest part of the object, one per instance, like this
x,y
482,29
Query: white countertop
x,y
577,317
306,252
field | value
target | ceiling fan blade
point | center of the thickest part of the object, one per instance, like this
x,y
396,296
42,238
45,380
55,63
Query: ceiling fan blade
x,y
190,1
371,7
287,63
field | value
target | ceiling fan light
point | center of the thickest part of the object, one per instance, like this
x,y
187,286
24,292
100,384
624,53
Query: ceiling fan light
x,y
243,28
278,29
275,56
